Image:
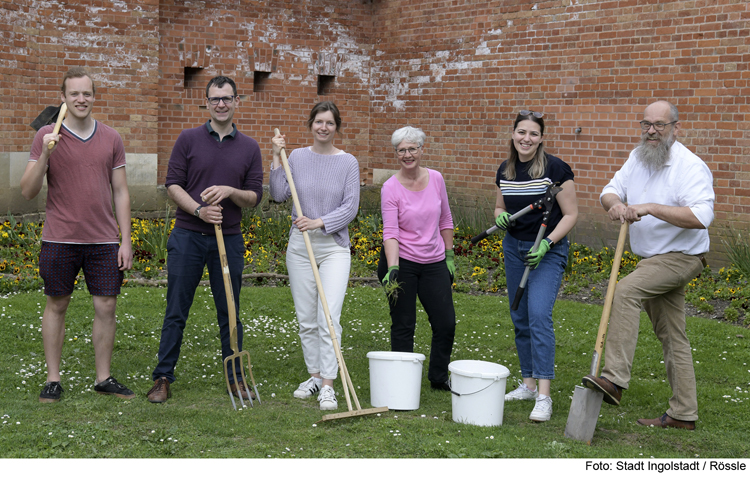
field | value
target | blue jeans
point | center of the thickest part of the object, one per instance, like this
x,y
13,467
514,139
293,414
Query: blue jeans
x,y
535,335
189,253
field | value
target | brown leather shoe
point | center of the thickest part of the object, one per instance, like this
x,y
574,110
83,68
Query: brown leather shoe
x,y
612,393
160,392
243,390
667,421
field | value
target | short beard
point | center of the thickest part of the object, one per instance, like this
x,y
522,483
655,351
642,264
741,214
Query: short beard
x,y
655,157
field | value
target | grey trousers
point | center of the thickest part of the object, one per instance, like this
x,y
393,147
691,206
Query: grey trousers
x,y
658,284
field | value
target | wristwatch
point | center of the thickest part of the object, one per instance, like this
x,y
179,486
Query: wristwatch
x,y
197,211
550,242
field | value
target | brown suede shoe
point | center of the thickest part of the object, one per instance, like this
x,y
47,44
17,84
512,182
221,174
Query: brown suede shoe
x,y
160,392
667,421
612,393
233,387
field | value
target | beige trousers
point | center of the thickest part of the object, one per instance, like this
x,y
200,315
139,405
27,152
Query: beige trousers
x,y
658,285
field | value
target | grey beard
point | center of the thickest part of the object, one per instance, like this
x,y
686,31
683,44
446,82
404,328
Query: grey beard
x,y
654,157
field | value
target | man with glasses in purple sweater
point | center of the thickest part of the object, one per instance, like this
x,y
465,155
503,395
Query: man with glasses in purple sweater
x,y
214,171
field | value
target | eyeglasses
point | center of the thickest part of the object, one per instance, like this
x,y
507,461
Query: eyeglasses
x,y
410,150
214,101
525,113
659,126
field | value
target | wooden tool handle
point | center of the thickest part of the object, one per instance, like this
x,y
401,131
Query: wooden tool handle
x,y
228,289
600,337
60,117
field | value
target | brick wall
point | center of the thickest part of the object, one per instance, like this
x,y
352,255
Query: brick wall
x,y
459,69
276,52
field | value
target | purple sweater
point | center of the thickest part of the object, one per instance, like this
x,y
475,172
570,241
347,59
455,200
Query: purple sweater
x,y
327,188
199,161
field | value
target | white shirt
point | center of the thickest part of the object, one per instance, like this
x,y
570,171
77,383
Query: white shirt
x,y
685,181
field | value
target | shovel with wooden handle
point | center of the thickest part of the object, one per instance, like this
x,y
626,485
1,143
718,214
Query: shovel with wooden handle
x,y
586,404
237,354
346,381
56,130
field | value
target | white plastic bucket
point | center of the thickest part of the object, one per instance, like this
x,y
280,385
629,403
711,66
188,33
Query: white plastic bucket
x,y
478,392
395,379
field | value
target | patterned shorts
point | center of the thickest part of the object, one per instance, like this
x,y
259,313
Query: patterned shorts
x,y
59,265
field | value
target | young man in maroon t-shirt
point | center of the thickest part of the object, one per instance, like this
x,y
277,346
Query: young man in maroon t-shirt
x,y
85,171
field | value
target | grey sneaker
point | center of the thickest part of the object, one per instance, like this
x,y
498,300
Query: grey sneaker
x,y
522,393
542,409
111,386
51,392
308,388
327,399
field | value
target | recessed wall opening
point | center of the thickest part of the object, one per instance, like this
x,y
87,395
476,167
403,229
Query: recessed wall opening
x,y
260,80
325,84
190,77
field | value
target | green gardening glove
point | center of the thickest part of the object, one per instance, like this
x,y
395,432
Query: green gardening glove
x,y
534,258
449,254
391,276
503,220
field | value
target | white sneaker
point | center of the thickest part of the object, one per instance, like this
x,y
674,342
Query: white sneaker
x,y
327,399
542,409
308,388
522,393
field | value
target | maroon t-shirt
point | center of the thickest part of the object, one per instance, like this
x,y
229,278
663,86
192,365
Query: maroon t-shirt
x,y
199,161
79,185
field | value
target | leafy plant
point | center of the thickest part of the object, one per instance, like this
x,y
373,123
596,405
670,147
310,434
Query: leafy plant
x,y
155,234
737,248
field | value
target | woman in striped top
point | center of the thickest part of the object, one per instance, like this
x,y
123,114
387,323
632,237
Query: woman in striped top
x,y
522,180
327,183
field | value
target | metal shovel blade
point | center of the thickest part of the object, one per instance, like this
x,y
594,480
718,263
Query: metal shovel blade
x,y
584,411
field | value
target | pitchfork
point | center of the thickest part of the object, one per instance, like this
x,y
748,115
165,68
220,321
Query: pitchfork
x,y
236,352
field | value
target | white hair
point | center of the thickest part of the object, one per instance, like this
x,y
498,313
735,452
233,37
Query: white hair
x,y
409,134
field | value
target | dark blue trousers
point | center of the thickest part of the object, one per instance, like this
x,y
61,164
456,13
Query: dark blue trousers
x,y
189,253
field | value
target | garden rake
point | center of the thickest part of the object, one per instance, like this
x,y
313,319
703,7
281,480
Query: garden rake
x,y
345,379
237,354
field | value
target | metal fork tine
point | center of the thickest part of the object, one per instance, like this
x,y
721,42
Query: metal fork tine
x,y
229,388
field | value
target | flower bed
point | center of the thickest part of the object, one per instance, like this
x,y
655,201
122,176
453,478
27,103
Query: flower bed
x,y
720,295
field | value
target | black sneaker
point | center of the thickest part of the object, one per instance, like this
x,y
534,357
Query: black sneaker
x,y
111,386
51,392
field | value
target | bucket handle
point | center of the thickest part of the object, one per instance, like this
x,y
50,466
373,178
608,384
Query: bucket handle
x,y
475,392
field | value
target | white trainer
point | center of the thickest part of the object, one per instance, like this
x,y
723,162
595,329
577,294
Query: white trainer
x,y
522,393
308,388
542,409
327,399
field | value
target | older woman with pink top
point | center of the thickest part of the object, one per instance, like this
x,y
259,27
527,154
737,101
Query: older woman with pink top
x,y
418,253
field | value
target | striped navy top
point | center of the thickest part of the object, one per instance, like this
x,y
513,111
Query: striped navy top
x,y
524,190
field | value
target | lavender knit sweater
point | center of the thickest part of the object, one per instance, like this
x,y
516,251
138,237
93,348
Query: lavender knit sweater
x,y
327,188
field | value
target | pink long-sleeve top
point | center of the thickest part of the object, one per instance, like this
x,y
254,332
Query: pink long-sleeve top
x,y
415,218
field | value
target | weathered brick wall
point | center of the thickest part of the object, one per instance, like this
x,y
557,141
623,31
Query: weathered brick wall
x,y
116,42
459,69
275,52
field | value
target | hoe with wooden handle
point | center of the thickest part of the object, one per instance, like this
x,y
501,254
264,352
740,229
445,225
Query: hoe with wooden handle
x,y
236,352
346,381
56,130
586,404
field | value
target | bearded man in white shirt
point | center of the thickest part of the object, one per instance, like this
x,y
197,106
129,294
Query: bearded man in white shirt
x,y
666,194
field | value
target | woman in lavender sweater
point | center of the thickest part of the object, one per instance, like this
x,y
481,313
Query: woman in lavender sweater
x,y
418,253
327,183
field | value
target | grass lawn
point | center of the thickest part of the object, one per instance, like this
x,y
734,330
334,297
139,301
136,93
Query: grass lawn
x,y
199,422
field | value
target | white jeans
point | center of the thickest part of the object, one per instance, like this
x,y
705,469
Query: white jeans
x,y
333,262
